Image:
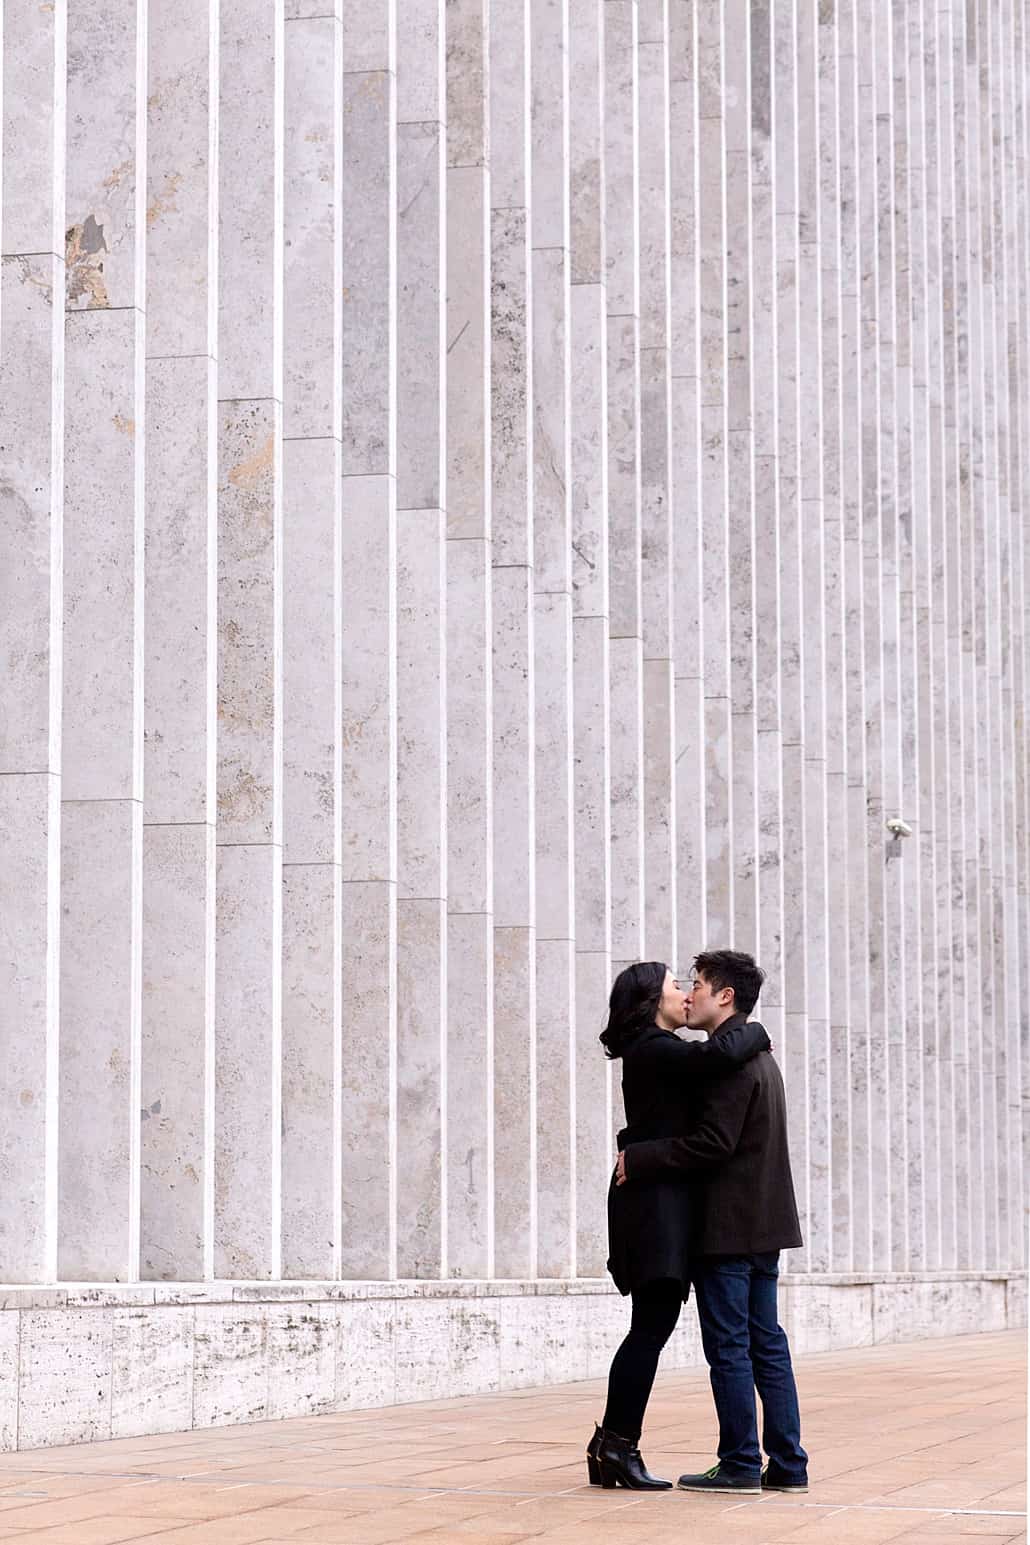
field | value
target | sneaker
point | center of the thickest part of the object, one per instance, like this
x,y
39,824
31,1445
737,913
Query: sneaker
x,y
717,1479
773,1481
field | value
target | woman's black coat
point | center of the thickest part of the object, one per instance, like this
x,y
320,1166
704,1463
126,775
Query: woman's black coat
x,y
663,1078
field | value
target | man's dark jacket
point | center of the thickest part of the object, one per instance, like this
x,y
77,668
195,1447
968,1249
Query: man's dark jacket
x,y
745,1205
650,1224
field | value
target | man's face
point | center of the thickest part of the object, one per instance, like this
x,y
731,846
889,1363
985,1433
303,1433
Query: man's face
x,y
707,1006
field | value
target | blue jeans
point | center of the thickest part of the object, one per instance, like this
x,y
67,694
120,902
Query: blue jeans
x,y
746,1349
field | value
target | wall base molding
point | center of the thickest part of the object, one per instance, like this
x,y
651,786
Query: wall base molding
x,y
85,1362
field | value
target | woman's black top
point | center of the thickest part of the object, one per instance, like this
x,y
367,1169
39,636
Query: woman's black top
x,y
663,1079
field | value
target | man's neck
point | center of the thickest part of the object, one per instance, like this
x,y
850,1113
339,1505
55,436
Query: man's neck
x,y
723,1022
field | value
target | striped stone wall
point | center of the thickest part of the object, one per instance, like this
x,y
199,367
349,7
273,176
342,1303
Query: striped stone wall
x,y
492,490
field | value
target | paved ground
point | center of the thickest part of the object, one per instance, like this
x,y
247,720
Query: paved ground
x,y
920,1444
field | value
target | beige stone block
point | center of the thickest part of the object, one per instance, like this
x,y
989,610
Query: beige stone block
x,y
369,271
312,228
421,704
301,1360
230,1375
311,1075
105,180
103,556
176,1050
421,1086
151,1371
249,622
311,650
470,1056
64,1377
369,1098
179,609
31,432
30,814
421,315
181,231
247,1073
250,200
98,1145
468,342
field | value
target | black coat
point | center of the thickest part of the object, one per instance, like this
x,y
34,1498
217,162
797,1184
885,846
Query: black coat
x,y
738,1151
664,1081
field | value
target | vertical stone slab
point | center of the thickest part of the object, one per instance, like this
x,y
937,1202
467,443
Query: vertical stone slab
x,y
470,993
177,1054
179,811
791,601
913,495
588,427
369,845
31,495
763,538
180,644
685,332
622,257
312,775
514,666
421,653
369,643
711,45
313,249
740,486
555,911
98,1223
856,987
550,230
813,625
98,1194
312,637
248,995
833,281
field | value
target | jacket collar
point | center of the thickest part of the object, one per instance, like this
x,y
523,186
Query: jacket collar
x,y
733,1023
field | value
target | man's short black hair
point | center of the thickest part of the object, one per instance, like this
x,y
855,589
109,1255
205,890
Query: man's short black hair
x,y
732,968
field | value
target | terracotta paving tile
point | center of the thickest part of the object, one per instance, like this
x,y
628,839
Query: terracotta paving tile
x,y
102,1531
897,1434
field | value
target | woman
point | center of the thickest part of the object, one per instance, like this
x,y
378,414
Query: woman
x,y
649,1221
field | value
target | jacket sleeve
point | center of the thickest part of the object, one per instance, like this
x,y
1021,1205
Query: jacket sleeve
x,y
712,1142
716,1056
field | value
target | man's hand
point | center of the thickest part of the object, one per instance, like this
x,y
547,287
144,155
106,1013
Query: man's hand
x,y
620,1170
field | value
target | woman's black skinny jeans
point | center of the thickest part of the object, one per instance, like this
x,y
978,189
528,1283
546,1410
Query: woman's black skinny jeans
x,y
656,1308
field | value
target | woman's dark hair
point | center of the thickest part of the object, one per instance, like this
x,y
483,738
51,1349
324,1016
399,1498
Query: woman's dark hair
x,y
633,1004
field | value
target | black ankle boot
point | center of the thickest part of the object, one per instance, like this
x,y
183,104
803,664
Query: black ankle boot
x,y
593,1469
618,1462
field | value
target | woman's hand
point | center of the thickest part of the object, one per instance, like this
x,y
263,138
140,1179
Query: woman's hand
x,y
620,1170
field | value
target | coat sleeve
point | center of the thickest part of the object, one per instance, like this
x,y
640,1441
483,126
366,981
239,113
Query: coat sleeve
x,y
712,1142
714,1057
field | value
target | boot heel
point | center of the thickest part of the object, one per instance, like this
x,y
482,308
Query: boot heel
x,y
593,1471
608,1480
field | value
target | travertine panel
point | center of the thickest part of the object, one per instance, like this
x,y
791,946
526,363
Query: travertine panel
x,y
312,228
152,1353
248,1066
30,814
64,1377
176,1053
98,1154
311,1013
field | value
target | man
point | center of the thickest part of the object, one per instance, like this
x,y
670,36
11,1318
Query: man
x,y
747,1215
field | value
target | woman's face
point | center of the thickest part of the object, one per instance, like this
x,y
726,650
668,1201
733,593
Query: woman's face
x,y
672,1007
